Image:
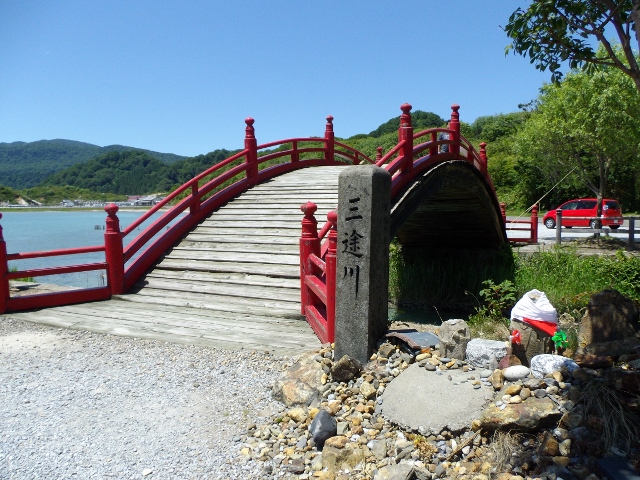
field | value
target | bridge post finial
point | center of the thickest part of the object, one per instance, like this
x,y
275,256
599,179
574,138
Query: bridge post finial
x,y
405,132
113,251
251,152
329,145
378,154
309,244
483,156
454,125
4,269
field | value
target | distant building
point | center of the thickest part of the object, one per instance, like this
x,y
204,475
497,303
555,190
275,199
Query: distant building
x,y
67,203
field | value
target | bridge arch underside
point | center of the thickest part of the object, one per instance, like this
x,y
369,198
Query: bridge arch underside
x,y
450,206
449,238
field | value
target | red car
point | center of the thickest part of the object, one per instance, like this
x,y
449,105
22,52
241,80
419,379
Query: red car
x,y
585,211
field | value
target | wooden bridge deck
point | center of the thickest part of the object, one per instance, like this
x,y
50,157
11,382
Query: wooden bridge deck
x,y
232,283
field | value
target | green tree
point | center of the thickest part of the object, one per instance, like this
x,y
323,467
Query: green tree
x,y
551,32
589,122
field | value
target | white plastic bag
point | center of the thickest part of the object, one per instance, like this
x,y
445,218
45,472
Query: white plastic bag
x,y
534,305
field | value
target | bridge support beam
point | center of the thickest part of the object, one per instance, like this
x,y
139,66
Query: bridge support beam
x,y
362,276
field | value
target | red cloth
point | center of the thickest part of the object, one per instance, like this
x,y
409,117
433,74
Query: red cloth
x,y
547,327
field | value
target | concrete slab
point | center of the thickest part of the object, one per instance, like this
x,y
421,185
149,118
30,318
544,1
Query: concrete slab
x,y
426,402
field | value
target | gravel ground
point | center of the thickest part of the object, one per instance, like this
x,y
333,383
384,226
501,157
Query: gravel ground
x,y
84,405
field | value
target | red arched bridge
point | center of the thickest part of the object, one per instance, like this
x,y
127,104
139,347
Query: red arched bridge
x,y
226,264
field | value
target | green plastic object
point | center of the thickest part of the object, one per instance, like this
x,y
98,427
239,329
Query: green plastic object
x,y
560,339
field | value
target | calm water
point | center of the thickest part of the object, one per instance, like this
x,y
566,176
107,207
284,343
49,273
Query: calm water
x,y
30,231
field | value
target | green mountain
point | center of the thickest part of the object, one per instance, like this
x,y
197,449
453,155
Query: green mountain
x,y
26,164
132,172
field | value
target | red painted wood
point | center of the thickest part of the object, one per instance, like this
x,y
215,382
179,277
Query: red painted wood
x,y
40,272
534,224
454,126
54,253
405,134
251,147
331,261
316,319
68,297
330,138
309,245
4,268
114,253
317,287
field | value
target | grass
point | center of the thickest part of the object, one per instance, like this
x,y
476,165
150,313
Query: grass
x,y
455,280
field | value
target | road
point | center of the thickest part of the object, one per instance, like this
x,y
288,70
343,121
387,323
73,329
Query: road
x,y
546,235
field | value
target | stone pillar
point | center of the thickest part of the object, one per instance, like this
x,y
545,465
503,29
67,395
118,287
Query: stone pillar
x,y
362,274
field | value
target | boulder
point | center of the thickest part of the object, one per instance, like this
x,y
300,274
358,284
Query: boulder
x,y
610,316
532,342
300,384
347,457
401,471
479,351
346,369
615,348
541,365
529,415
453,337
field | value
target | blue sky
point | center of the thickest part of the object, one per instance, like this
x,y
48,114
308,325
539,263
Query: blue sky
x,y
181,77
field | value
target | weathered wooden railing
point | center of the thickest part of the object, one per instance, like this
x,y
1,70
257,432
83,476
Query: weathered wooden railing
x,y
631,231
196,200
412,155
530,226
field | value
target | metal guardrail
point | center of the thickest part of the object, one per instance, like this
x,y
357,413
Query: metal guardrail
x,y
631,244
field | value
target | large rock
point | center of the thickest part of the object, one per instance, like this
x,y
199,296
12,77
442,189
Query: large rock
x,y
615,348
529,415
322,428
610,316
335,458
346,369
541,365
300,385
453,337
532,342
423,401
402,471
480,350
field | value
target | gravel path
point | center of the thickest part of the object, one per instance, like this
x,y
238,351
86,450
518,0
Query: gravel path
x,y
84,405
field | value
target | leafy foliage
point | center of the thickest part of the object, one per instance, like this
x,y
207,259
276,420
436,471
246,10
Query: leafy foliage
x,y
588,122
551,32
498,300
419,119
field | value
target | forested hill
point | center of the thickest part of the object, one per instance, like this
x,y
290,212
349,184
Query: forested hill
x,y
132,172
26,164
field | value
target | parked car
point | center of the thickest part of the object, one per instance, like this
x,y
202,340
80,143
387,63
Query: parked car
x,y
581,212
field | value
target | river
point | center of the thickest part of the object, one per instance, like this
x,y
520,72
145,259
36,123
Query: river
x,y
35,230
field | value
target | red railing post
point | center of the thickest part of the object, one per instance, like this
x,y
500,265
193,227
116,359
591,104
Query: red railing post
x,y
251,146
454,124
405,132
534,224
113,250
503,212
330,270
4,269
483,157
309,244
195,200
378,154
330,146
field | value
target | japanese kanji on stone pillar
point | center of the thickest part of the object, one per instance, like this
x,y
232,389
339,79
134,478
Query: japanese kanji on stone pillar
x,y
362,273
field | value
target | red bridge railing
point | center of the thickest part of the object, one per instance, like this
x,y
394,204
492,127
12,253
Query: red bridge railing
x,y
530,226
413,154
192,202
